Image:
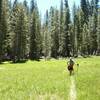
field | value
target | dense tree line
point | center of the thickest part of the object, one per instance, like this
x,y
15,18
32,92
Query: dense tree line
x,y
24,35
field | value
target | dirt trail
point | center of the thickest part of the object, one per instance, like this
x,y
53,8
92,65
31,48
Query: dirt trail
x,y
72,92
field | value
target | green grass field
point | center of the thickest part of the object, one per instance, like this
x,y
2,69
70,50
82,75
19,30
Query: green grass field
x,y
49,80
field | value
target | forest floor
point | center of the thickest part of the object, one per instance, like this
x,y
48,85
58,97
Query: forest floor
x,y
50,80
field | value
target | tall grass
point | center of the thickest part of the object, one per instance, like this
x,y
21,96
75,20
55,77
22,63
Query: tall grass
x,y
88,79
34,81
49,80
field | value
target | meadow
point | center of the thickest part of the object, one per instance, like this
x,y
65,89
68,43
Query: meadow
x,y
49,80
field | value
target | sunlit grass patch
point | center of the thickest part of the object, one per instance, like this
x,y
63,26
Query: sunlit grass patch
x,y
34,80
49,80
88,79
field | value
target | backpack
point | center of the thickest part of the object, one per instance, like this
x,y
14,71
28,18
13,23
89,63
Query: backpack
x,y
70,65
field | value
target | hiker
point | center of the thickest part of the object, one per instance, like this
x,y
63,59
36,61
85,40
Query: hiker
x,y
70,65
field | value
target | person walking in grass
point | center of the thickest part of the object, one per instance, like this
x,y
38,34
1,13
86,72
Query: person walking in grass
x,y
70,65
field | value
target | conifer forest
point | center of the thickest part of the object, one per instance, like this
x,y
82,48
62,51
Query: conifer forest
x,y
63,32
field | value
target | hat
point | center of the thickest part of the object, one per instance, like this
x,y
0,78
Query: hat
x,y
70,58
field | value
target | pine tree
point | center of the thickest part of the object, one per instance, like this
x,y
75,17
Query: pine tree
x,y
93,35
0,31
23,31
13,30
84,8
38,32
85,41
4,29
55,35
35,36
94,32
46,38
0,7
88,7
15,2
94,15
80,23
61,33
33,40
19,31
33,6
26,6
67,44
75,31
98,32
